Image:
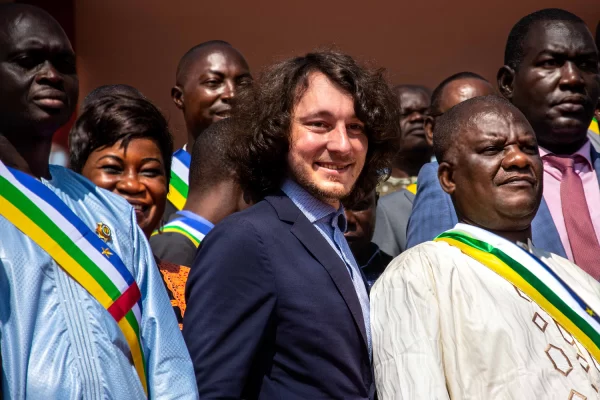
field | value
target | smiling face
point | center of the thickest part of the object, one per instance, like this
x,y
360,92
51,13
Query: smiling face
x,y
209,84
556,85
328,143
494,171
39,85
136,173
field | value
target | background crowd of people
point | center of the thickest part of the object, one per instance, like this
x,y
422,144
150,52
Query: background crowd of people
x,y
293,233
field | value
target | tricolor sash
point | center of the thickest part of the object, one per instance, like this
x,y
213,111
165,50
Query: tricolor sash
x,y
534,278
594,126
192,229
179,183
43,217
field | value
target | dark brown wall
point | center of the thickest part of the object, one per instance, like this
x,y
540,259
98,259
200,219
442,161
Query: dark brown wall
x,y
139,42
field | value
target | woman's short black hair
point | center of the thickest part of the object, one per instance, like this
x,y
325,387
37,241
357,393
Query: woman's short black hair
x,y
264,113
113,118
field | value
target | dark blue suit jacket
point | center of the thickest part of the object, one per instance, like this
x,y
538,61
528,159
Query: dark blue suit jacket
x,y
272,312
433,213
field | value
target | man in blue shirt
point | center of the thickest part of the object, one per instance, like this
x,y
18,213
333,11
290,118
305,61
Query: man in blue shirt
x,y
277,305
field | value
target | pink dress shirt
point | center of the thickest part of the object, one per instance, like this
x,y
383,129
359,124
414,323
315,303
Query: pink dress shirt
x,y
552,179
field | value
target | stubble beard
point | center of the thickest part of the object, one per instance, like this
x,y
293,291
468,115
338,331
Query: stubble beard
x,y
326,196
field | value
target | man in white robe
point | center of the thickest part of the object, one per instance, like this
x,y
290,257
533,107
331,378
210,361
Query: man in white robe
x,y
446,326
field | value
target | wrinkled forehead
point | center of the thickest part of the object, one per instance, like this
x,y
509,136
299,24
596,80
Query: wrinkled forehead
x,y
496,121
23,31
563,37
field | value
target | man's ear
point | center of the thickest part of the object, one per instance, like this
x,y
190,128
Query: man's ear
x,y
177,96
428,126
506,80
446,177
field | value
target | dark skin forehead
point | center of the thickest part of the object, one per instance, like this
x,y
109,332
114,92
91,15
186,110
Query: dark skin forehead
x,y
27,29
482,123
571,39
413,98
199,61
460,90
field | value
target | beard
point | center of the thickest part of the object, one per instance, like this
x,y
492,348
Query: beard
x,y
317,189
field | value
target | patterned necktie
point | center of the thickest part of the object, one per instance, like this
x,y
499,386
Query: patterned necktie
x,y
584,243
355,275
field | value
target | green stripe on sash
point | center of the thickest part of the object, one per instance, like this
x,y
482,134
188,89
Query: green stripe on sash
x,y
14,196
179,185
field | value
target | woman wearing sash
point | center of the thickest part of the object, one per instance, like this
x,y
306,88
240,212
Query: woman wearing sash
x,y
122,144
480,313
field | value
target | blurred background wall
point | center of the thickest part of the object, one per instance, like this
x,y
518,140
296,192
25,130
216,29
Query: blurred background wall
x,y
139,42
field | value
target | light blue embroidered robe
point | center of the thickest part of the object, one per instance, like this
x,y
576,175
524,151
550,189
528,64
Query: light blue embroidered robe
x,y
57,341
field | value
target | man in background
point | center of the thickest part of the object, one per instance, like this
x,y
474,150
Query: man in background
x,y
414,149
551,76
361,218
208,78
394,211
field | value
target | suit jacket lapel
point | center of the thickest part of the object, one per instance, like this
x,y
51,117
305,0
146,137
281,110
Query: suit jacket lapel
x,y
544,233
318,247
595,139
596,161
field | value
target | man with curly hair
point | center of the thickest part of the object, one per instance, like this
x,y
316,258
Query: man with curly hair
x,y
277,305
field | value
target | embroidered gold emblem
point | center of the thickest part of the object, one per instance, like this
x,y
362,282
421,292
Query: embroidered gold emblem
x,y
103,232
106,252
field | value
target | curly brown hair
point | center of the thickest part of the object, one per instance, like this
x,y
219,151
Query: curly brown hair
x,y
265,112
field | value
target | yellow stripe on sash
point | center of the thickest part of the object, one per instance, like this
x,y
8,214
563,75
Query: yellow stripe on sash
x,y
136,351
500,268
184,233
46,242
594,126
176,198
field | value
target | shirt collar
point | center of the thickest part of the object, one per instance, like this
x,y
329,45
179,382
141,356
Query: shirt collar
x,y
313,208
196,217
584,151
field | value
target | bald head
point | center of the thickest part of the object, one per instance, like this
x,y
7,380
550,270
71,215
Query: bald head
x,y
11,14
203,50
466,116
458,88
39,85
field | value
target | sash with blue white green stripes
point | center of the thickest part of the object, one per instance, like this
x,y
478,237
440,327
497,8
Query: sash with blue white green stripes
x,y
534,278
42,216
193,229
179,183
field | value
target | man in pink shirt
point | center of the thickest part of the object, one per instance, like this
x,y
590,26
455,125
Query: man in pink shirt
x,y
551,75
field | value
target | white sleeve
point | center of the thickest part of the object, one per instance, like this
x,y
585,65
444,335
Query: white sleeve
x,y
405,324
